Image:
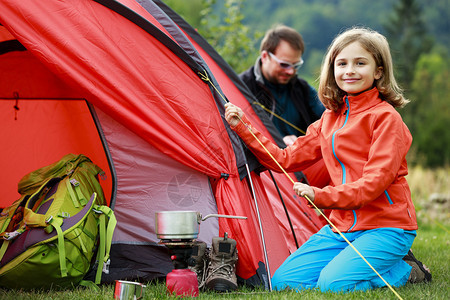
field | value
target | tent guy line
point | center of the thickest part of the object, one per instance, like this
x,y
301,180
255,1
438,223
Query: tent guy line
x,y
206,79
279,117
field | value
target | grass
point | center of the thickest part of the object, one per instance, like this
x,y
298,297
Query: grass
x,y
431,246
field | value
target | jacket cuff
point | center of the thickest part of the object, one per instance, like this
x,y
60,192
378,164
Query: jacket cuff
x,y
242,126
316,194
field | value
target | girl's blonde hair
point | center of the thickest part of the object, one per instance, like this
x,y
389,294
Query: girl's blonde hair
x,y
376,44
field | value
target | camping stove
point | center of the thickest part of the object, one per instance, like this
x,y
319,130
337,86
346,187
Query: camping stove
x,y
177,230
180,252
181,281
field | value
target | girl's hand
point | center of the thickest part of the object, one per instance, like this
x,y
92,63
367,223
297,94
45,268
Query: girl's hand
x,y
233,114
303,190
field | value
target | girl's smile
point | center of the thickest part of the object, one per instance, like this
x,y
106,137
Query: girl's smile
x,y
355,69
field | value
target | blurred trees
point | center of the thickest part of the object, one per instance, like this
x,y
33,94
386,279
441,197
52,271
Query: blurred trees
x,y
408,39
423,73
428,114
221,24
227,33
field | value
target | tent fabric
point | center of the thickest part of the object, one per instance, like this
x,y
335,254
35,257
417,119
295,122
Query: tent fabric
x,y
305,220
29,95
119,82
77,63
177,188
136,84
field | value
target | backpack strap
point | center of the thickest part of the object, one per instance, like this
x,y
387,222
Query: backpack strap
x,y
56,223
3,249
75,201
32,218
106,232
90,284
80,196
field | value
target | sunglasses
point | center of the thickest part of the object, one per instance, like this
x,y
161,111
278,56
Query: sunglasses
x,y
285,65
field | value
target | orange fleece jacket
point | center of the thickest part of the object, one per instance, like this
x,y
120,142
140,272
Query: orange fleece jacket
x,y
364,145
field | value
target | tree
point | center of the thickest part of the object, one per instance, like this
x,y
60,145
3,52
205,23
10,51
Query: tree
x,y
230,37
428,114
188,10
407,35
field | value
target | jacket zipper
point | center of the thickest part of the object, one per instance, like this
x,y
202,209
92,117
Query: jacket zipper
x,y
334,137
388,197
344,177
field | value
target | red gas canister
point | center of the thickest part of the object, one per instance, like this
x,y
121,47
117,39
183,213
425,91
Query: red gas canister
x,y
182,282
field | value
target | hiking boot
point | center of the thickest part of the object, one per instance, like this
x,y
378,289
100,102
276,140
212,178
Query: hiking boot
x,y
419,272
199,262
222,266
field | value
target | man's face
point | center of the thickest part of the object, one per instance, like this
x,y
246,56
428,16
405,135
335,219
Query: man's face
x,y
271,67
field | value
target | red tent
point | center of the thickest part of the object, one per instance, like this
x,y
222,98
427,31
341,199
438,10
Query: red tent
x,y
122,83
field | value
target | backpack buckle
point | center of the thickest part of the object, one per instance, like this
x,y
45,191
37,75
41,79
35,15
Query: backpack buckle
x,y
11,235
97,211
74,182
106,266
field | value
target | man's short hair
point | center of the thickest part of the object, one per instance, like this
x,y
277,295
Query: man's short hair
x,y
281,32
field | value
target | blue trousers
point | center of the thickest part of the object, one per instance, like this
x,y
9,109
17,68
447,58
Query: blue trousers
x,y
326,261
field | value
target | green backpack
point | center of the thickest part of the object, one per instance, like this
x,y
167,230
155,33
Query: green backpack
x,y
50,234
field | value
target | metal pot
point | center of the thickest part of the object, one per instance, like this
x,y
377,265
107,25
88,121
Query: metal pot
x,y
182,224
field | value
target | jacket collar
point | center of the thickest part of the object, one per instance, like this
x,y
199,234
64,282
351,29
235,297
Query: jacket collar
x,y
257,71
363,101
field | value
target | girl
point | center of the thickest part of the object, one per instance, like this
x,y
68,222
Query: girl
x,y
363,142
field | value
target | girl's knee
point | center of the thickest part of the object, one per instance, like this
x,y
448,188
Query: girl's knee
x,y
326,282
291,280
338,284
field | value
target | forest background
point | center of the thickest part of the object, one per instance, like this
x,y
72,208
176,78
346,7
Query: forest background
x,y
418,32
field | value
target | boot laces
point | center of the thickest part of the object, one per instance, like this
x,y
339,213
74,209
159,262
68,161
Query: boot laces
x,y
202,280
222,268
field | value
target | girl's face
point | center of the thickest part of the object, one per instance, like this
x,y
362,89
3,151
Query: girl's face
x,y
355,70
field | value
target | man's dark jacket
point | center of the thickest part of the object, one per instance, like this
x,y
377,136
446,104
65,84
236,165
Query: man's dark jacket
x,y
300,93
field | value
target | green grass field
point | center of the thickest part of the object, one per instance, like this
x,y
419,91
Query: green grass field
x,y
431,247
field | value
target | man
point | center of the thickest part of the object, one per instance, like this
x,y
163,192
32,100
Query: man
x,y
293,103
274,81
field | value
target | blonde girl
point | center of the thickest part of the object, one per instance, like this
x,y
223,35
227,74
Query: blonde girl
x,y
363,142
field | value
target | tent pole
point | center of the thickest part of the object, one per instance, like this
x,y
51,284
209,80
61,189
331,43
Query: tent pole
x,y
285,208
260,228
